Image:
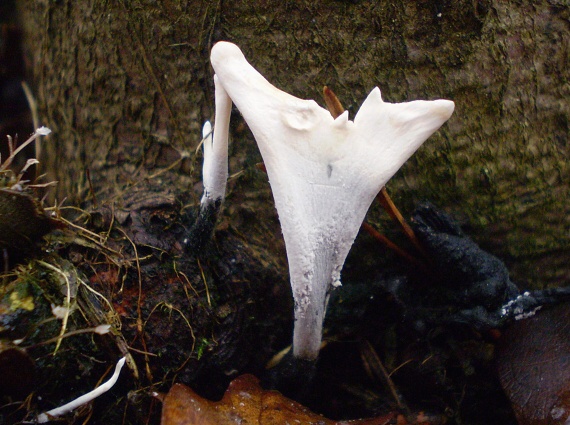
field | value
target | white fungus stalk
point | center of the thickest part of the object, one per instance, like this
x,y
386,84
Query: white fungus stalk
x,y
324,174
214,171
215,168
84,399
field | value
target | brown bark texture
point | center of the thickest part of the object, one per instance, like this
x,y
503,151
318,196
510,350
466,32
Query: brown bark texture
x,y
126,85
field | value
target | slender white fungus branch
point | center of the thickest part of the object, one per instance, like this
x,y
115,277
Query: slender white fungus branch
x,y
324,174
215,169
86,398
207,146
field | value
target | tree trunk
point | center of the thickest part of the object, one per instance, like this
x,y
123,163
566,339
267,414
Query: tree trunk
x,y
126,86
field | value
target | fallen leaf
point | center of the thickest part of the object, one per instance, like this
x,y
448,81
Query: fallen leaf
x,y
533,360
245,402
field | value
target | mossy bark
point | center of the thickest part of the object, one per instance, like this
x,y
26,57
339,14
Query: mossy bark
x,y
125,86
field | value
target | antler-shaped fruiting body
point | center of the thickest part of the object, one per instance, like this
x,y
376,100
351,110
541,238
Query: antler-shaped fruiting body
x,y
214,170
215,144
84,399
324,174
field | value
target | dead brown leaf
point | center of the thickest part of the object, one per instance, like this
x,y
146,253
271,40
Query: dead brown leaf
x,y
245,402
534,367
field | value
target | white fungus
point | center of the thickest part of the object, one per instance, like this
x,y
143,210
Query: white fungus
x,y
215,145
84,399
324,173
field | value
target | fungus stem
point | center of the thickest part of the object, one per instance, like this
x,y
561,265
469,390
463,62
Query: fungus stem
x,y
85,398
